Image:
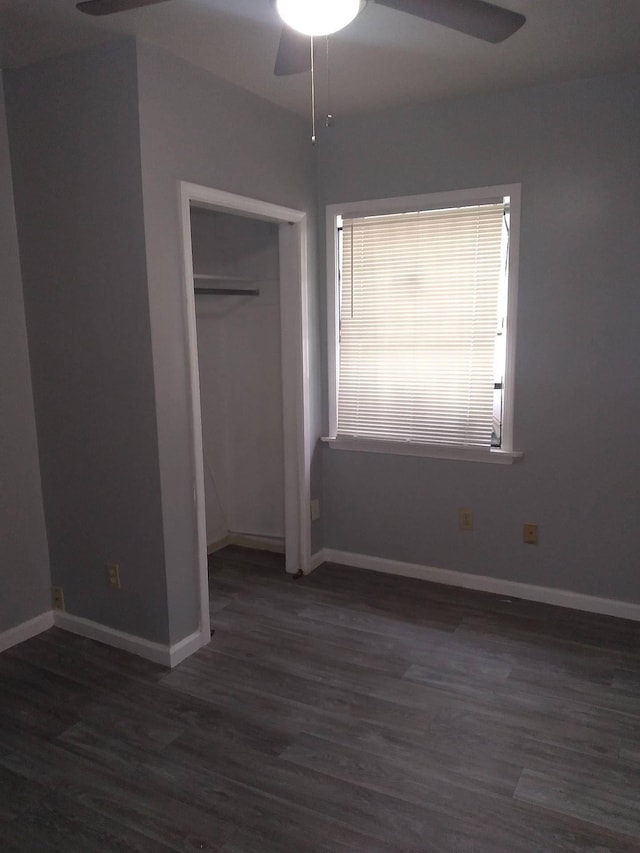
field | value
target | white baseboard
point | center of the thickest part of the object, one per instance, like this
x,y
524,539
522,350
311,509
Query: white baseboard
x,y
249,540
184,648
317,559
160,653
26,630
484,583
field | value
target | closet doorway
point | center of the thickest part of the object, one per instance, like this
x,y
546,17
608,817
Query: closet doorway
x,y
245,287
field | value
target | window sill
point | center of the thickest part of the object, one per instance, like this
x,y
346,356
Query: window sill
x,y
436,451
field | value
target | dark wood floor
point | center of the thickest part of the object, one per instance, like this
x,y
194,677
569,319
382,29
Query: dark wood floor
x,y
345,711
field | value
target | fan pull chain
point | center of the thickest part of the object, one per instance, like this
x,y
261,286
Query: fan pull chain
x,y
313,97
329,119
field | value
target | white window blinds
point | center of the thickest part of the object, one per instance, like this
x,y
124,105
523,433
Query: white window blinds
x,y
418,318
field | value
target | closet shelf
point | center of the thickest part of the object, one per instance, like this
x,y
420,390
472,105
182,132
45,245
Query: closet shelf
x,y
224,291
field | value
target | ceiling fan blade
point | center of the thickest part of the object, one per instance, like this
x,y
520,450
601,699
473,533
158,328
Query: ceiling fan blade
x,y
109,7
474,17
294,53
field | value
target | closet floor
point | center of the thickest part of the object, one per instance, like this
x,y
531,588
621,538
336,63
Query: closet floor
x,y
346,711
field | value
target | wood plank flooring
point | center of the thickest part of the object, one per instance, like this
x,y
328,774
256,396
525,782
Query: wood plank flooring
x,y
346,711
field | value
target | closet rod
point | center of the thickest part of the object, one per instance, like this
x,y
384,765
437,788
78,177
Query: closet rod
x,y
226,291
204,276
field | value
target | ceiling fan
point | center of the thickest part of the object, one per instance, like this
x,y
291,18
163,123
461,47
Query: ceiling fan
x,y
477,18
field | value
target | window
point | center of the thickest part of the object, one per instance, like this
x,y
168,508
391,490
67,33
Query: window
x,y
421,317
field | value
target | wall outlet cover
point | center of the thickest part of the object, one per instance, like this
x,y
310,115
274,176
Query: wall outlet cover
x,y
113,575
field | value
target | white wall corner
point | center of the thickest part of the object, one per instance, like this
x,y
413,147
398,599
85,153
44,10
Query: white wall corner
x,y
484,583
26,630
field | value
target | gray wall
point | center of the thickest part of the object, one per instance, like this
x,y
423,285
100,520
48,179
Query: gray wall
x,y
24,561
575,149
74,135
197,128
99,142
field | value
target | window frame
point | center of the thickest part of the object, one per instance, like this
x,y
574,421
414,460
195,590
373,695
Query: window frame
x,y
406,204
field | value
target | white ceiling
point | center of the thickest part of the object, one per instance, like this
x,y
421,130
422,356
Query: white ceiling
x,y
383,58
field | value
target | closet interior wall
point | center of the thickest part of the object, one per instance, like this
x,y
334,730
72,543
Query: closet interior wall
x,y
239,358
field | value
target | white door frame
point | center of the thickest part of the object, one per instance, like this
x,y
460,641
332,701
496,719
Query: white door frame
x,y
295,372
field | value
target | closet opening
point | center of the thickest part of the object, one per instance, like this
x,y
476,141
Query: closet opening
x,y
245,290
237,286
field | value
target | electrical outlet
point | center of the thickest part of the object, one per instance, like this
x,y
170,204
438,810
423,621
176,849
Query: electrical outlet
x,y
466,519
57,598
530,534
113,575
315,509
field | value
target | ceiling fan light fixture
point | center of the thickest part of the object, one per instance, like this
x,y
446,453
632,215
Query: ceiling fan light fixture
x,y
318,17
